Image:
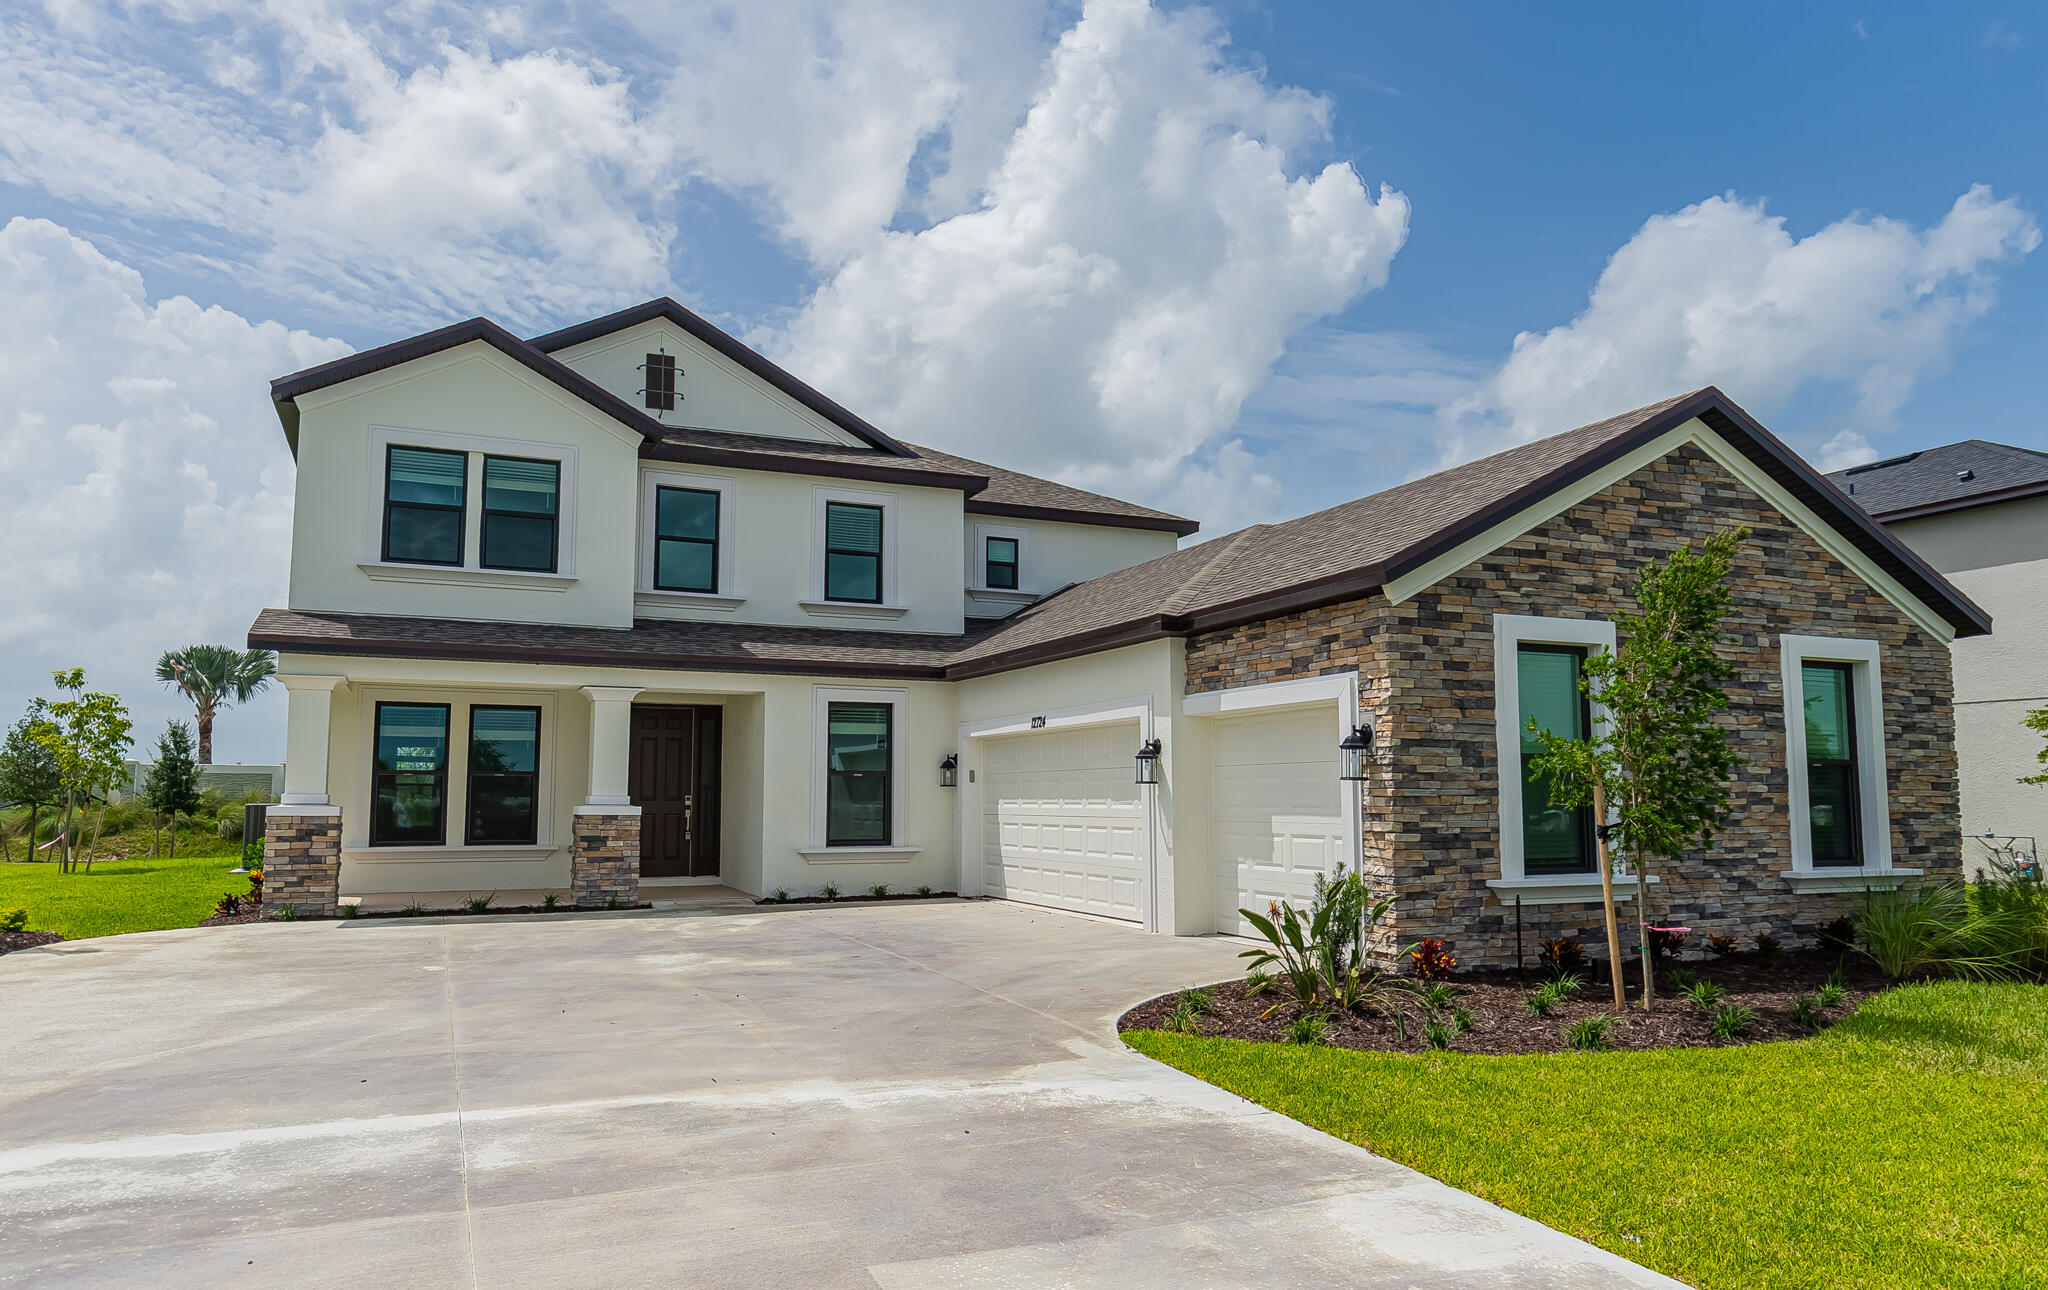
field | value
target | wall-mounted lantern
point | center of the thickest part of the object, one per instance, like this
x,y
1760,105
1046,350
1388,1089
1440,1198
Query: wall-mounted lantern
x,y
949,771
1148,762
1354,747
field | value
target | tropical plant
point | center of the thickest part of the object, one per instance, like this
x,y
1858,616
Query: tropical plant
x,y
781,896
1833,993
1188,1009
1659,766
925,890
1705,995
829,891
479,904
1937,930
215,677
1589,1034
1257,981
1836,933
1568,985
2017,904
350,909
1461,1020
1562,955
550,899
1306,1029
1438,995
172,788
1321,954
1806,1013
1679,980
1732,1021
1433,962
88,736
286,914
1720,944
879,891
1542,1001
1666,943
1768,947
415,909
29,774
1437,1035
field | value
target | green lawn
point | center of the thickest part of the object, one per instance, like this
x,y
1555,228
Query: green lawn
x,y
1907,1146
138,895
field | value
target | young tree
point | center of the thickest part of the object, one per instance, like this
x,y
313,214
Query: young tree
x,y
172,788
28,775
1657,774
88,736
214,677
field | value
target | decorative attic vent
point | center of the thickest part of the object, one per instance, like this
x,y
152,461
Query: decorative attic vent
x,y
661,381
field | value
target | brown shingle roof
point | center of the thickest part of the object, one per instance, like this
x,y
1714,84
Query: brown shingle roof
x,y
1955,476
1022,496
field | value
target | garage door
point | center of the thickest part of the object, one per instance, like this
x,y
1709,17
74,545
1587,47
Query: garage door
x,y
1062,820
1278,814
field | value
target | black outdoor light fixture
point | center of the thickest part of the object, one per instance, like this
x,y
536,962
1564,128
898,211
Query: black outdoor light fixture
x,y
1354,747
1148,762
949,771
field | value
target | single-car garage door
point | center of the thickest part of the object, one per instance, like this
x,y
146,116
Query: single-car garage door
x,y
1062,822
1279,819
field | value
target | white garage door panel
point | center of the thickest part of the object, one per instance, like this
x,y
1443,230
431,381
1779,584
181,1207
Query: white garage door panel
x,y
1278,804
1060,819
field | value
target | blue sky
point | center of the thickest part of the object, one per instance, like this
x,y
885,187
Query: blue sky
x,y
1241,261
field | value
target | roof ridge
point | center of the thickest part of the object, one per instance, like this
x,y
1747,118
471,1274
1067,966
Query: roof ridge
x,y
1180,600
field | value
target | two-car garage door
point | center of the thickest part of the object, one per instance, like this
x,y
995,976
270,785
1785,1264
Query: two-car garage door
x,y
1062,822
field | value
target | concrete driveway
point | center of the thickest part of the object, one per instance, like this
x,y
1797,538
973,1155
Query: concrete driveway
x,y
903,1096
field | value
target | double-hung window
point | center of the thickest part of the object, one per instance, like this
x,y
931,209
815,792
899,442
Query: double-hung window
x,y
1834,808
522,502
504,774
424,494
853,552
1555,840
409,792
999,563
686,539
858,739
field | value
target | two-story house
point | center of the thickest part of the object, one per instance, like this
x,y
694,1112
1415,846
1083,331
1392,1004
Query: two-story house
x,y
627,606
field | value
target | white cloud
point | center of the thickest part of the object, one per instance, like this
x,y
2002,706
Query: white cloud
x,y
1847,448
148,487
1719,293
1143,252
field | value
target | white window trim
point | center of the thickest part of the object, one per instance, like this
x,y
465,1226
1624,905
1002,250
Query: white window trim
x,y
645,594
356,821
822,699
1867,679
816,603
978,561
471,571
1510,631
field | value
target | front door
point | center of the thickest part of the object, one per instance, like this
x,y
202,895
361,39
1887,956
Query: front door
x,y
675,764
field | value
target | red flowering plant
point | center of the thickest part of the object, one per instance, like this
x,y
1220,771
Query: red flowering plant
x,y
1433,962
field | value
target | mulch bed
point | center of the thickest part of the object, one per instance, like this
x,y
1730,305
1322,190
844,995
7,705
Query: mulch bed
x,y
10,941
1502,1025
249,914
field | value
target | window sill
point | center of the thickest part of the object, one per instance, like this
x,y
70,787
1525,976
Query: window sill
x,y
449,576
859,855
1825,880
1563,889
650,598
1003,595
482,851
851,609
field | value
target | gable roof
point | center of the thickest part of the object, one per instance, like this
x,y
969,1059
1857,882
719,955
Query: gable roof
x,y
990,489
731,348
1953,477
1358,547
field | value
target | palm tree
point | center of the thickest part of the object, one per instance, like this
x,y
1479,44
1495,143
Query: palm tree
x,y
215,677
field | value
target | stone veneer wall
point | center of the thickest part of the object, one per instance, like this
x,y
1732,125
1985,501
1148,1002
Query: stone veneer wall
x,y
1426,672
302,863
604,860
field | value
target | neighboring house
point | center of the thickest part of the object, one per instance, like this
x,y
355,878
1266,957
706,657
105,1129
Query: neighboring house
x,y
1978,512
629,605
230,779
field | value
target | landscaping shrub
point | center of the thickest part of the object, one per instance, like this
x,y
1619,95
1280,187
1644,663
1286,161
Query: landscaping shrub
x,y
1562,956
13,920
1306,1029
1666,943
1432,961
1768,947
479,904
1438,995
1589,1034
1938,930
1720,944
1806,1011
1679,980
551,899
829,891
1732,1021
879,891
1705,994
1461,1020
1188,1010
1437,1035
228,906
1836,933
925,890
2016,908
1322,953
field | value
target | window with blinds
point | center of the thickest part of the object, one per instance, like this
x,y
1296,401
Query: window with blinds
x,y
853,552
858,738
424,493
686,539
504,774
409,778
999,570
1555,840
521,527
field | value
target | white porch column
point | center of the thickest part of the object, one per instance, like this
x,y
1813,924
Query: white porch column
x,y
611,748
309,720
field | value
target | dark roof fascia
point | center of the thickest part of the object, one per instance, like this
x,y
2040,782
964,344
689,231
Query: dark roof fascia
x,y
1156,627
732,349
2018,492
1851,520
879,471
475,652
1107,519
285,389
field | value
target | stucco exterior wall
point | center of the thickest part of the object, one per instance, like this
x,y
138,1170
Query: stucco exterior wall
x,y
1054,554
1426,666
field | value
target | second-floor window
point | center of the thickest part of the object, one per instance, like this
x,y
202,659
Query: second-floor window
x,y
686,539
1000,564
853,552
521,520
424,494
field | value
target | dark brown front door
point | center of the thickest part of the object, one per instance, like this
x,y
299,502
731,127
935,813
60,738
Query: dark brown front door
x,y
676,786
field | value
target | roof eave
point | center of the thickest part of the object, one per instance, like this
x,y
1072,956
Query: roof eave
x,y
879,471
1173,524
2017,492
477,652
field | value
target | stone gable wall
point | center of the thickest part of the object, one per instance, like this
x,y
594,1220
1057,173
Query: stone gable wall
x,y
1426,668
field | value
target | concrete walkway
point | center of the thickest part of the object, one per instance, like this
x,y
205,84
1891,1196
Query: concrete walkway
x,y
903,1096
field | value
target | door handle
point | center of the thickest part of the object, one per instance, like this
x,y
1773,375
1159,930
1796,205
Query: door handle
x,y
689,813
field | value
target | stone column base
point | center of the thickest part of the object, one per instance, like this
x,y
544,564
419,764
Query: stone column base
x,y
604,859
302,861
